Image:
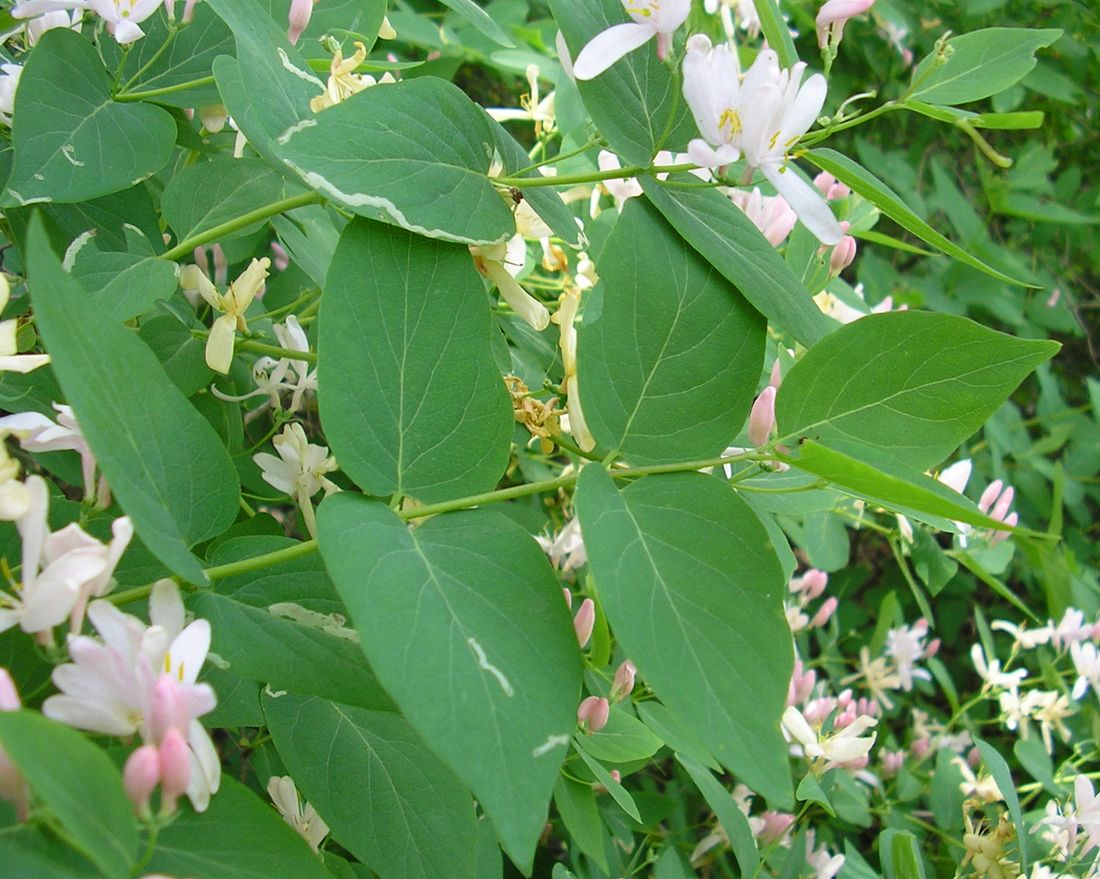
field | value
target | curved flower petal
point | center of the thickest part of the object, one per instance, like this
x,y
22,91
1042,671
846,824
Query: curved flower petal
x,y
219,347
807,202
523,304
609,46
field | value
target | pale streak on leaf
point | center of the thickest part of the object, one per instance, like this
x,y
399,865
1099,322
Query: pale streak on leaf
x,y
483,662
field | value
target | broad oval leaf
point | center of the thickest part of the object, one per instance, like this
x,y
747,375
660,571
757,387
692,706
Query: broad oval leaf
x,y
73,142
411,399
107,833
124,285
386,798
980,64
905,387
462,620
162,459
634,103
239,837
729,241
694,594
668,353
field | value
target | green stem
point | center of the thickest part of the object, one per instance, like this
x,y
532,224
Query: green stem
x,y
165,90
818,136
276,351
214,233
220,572
153,60
560,157
592,177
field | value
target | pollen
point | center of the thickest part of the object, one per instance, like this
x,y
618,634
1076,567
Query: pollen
x,y
730,120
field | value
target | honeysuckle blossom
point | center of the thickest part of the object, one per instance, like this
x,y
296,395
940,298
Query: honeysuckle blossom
x,y
1071,628
11,361
566,551
836,748
37,433
299,470
743,10
1028,639
651,18
905,646
832,17
142,679
1086,662
10,75
565,317
990,671
59,570
500,263
232,304
760,117
298,814
770,214
51,20
273,376
343,81
762,417
532,107
123,17
593,713
15,499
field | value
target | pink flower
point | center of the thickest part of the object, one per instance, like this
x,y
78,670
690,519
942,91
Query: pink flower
x,y
300,13
770,214
832,17
593,713
584,621
762,417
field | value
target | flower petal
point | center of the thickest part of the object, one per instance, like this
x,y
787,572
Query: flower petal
x,y
609,46
807,202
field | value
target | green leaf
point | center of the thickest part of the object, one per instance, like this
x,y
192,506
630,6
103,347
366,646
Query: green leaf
x,y
124,285
413,401
776,31
1035,759
1015,121
462,620
202,196
979,64
635,103
897,488
810,791
480,19
239,837
675,732
576,804
270,646
668,354
167,467
998,768
387,799
182,355
414,153
28,851
622,740
618,793
72,141
363,17
904,387
732,819
693,592
729,241
188,58
107,834
864,183
900,854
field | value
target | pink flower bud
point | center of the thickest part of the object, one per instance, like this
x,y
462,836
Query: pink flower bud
x,y
762,417
221,265
920,748
892,762
584,621
814,583
189,11
992,492
593,713
774,826
9,696
170,9
175,770
843,255
974,758
817,710
801,685
568,597
776,376
933,648
623,684
280,258
827,609
834,14
1000,509
300,13
823,182
1010,521
140,776
168,709
616,775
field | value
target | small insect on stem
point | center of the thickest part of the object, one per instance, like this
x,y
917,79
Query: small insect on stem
x,y
516,193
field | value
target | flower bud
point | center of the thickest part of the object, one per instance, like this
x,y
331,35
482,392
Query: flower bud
x,y
892,762
593,713
974,758
623,684
140,776
300,13
168,709
827,609
843,255
568,597
1010,521
832,17
774,826
992,492
933,648
188,11
175,770
585,621
762,417
280,258
1000,509
776,376
386,30
9,696
814,583
920,748
801,685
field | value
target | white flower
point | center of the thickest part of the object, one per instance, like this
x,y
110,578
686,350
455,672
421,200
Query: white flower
x,y
109,686
990,671
233,304
343,81
50,20
760,117
123,17
532,108
500,263
9,359
835,749
565,317
1070,629
9,82
58,569
982,788
567,550
1088,811
1086,661
1050,709
299,470
619,188
651,18
1028,639
301,816
37,433
905,645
